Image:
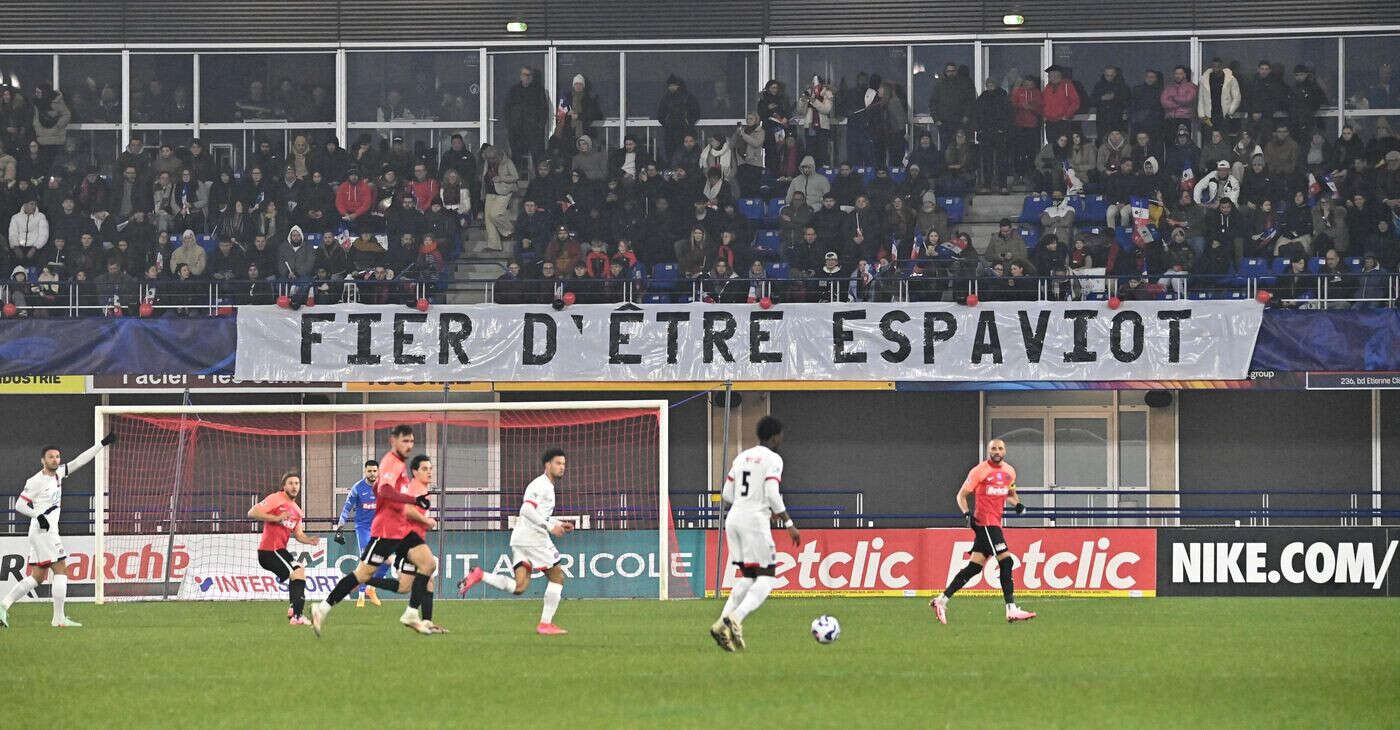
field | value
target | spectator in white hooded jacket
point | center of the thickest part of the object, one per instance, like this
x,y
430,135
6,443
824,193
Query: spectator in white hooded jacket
x,y
1216,186
29,231
810,183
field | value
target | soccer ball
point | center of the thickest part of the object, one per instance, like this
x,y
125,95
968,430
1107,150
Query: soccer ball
x,y
826,629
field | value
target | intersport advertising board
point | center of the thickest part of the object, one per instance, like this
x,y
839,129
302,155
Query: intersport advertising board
x,y
915,562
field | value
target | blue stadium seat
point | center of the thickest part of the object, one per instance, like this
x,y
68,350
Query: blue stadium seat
x,y
1199,295
1352,263
1124,236
899,174
751,209
682,299
865,173
1033,207
1096,296
771,214
653,298
1030,234
768,244
828,173
1095,209
955,207
777,270
1281,265
1315,264
312,238
664,276
1256,268
209,243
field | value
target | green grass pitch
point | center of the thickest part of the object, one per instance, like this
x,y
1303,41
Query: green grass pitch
x,y
1083,663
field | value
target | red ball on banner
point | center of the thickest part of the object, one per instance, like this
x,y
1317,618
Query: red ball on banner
x,y
753,300
284,301
310,299
115,311
10,309
225,311
146,309
765,303
569,298
1114,302
972,300
422,305
1263,296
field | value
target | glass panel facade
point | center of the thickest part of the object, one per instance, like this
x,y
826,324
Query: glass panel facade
x,y
794,67
929,64
601,71
92,86
441,86
1371,66
272,87
162,88
1283,55
719,80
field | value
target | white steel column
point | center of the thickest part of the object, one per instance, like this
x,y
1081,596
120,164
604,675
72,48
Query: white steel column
x,y
194,97
621,99
551,84
765,67
126,100
979,68
1376,455
341,113
483,80
1341,84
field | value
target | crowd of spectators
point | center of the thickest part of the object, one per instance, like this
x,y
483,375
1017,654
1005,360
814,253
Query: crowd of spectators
x,y
1191,177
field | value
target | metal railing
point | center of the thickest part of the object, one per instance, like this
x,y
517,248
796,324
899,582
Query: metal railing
x,y
203,297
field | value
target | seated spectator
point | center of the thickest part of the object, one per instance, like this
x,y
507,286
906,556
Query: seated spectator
x,y
1296,284
563,250
805,255
1120,186
1221,183
1050,257
1259,184
716,190
1329,225
593,164
720,284
900,222
227,261
1215,264
1295,228
1371,287
1058,217
1084,161
1281,153
257,291
959,165
1050,164
510,286
1004,245
116,287
29,232
932,217
865,233
809,183
1336,280
795,216
1263,238
926,155
189,253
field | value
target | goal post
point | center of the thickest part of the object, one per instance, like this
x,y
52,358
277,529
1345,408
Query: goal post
x,y
171,495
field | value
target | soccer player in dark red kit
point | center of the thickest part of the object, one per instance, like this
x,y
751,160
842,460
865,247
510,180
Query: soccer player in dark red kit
x,y
992,484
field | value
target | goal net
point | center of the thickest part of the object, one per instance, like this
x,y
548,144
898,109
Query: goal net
x,y
173,493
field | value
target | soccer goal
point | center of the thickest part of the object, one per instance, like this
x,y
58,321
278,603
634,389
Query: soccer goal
x,y
172,494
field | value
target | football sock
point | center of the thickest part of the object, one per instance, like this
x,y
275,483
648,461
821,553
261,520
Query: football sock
x,y
385,584
1008,583
968,572
296,590
736,595
762,586
552,592
427,605
342,589
420,587
59,585
499,582
20,590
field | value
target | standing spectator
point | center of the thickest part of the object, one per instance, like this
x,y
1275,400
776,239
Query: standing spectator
x,y
1110,99
718,155
895,121
748,149
993,122
1025,131
29,232
953,103
1265,96
353,198
51,118
526,120
578,110
1119,187
1147,111
773,110
678,111
814,108
332,161
960,165
1058,218
458,157
499,181
424,189
1179,97
1218,97
1304,99
1060,100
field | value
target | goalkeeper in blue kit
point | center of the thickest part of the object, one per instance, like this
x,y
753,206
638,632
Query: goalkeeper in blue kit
x,y
360,503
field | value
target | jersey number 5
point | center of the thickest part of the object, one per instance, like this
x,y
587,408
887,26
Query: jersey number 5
x,y
744,482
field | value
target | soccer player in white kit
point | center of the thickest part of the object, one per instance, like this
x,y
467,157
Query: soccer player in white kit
x,y
40,502
753,488
531,548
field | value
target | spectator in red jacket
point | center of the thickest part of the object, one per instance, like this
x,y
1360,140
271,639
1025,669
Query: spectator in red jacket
x,y
353,197
1025,126
423,188
1179,96
1060,101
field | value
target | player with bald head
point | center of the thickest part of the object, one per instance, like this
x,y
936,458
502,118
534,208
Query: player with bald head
x,y
991,484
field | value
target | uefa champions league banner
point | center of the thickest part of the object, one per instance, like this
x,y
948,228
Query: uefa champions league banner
x,y
1067,341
